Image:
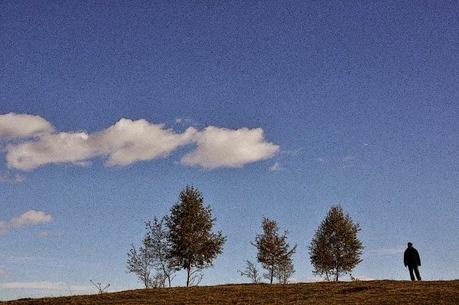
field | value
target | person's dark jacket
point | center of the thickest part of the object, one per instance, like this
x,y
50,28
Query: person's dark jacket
x,y
411,257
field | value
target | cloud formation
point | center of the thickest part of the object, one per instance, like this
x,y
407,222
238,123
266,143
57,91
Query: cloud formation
x,y
129,141
221,147
29,218
14,125
49,148
124,143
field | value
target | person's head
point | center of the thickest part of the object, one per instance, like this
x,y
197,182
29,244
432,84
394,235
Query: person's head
x,y
410,245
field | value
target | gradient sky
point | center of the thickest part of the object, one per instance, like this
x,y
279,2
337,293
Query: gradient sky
x,y
360,97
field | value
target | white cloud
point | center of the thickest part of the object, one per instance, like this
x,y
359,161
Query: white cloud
x,y
221,147
275,167
123,143
50,148
31,218
14,125
44,285
129,141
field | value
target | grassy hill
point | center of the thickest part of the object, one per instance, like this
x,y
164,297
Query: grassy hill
x,y
371,292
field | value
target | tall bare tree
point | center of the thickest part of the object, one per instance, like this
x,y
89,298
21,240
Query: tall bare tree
x,y
335,248
193,244
274,252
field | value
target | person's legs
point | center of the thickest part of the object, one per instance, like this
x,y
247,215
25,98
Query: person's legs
x,y
410,268
416,271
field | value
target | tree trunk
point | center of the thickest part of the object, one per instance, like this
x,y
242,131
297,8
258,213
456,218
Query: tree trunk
x,y
271,275
145,281
167,274
336,275
188,275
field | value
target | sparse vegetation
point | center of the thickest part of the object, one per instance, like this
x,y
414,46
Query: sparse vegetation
x,y
360,292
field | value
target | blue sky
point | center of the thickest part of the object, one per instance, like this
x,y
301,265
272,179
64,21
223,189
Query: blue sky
x,y
277,109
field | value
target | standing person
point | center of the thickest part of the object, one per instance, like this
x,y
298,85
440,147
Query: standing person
x,y
413,261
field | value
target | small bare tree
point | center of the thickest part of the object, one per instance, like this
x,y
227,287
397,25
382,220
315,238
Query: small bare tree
x,y
100,288
140,262
158,246
153,256
251,272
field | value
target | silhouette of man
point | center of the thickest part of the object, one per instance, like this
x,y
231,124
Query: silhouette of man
x,y
412,260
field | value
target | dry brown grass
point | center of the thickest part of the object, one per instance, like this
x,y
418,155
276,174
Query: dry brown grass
x,y
371,292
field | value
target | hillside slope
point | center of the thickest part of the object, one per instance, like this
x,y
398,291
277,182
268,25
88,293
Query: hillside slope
x,y
371,292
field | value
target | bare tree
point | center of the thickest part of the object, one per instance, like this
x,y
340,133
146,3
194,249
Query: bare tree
x,y
158,246
158,280
251,272
196,277
100,288
274,252
335,249
153,256
140,262
193,244
284,270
